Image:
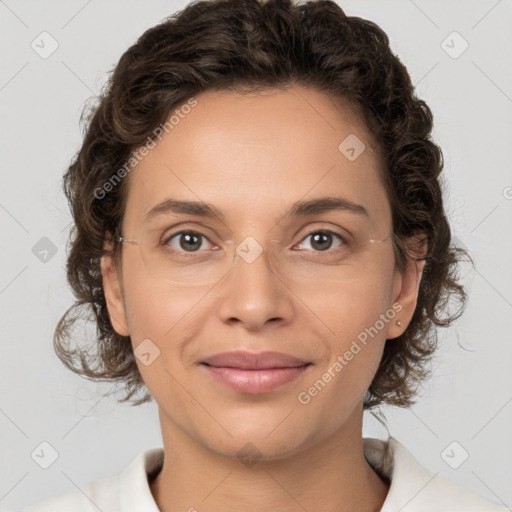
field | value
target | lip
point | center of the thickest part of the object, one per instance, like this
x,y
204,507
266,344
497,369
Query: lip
x,y
254,373
254,360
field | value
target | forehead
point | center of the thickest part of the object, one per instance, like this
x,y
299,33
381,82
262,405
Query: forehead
x,y
253,154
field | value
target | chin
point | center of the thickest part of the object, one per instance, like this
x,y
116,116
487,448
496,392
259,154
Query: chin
x,y
269,436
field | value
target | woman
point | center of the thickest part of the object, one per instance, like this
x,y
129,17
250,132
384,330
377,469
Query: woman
x,y
260,233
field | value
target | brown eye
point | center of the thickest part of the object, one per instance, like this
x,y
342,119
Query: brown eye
x,y
188,241
321,240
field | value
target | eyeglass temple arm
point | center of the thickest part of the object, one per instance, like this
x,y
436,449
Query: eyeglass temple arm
x,y
121,239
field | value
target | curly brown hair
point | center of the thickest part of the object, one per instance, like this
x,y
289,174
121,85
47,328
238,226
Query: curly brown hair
x,y
240,44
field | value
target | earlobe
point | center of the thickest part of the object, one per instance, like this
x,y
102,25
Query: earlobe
x,y
114,296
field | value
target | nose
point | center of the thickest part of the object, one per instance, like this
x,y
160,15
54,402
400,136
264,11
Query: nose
x,y
253,293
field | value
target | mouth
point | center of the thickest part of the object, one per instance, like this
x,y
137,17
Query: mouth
x,y
254,373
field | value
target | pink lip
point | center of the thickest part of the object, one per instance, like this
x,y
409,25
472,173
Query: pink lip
x,y
254,373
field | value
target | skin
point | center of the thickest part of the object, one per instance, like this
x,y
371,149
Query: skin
x,y
252,156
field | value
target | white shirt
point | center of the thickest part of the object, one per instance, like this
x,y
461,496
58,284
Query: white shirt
x,y
412,488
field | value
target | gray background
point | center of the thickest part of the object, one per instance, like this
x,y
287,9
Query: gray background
x,y
468,399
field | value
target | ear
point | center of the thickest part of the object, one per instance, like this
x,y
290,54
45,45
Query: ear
x,y
405,292
113,295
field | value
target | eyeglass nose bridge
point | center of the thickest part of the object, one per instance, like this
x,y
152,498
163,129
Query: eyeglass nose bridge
x,y
249,249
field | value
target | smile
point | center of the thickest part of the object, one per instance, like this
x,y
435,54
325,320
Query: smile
x,y
255,382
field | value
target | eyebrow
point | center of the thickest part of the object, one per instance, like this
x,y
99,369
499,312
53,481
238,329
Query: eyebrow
x,y
298,209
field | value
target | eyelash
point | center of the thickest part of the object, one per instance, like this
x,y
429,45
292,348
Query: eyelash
x,y
192,232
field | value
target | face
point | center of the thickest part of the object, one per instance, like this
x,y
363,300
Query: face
x,y
251,157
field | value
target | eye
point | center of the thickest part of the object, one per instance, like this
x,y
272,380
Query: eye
x,y
188,241
322,240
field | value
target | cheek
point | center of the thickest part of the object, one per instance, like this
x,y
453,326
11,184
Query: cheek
x,y
159,311
354,305
153,307
161,319
358,315
355,348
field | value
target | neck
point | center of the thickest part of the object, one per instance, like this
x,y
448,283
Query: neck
x,y
332,475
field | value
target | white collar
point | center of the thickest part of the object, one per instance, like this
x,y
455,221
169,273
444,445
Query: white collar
x,y
412,487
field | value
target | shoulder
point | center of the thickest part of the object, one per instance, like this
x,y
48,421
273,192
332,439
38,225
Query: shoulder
x,y
126,491
414,489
